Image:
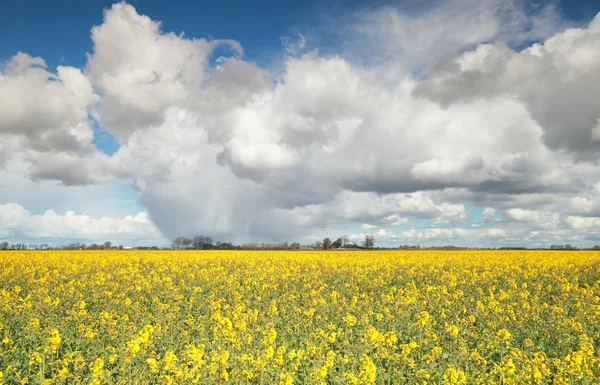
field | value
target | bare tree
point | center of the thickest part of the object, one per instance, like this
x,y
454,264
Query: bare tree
x,y
198,242
201,242
177,243
326,243
369,242
345,241
107,245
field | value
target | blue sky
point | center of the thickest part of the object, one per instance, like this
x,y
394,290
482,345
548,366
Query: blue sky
x,y
311,132
58,31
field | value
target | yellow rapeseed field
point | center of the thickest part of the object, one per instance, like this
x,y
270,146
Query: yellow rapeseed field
x,y
377,317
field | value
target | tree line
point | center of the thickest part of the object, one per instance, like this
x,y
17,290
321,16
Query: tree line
x,y
71,246
344,243
23,246
201,242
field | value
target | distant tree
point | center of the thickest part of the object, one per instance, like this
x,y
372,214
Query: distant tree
x,y
120,247
369,242
186,242
198,242
93,246
73,246
177,243
107,245
337,243
285,245
3,245
345,241
318,245
326,243
201,242
295,246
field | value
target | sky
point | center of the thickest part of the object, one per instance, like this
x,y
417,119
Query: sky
x,y
464,122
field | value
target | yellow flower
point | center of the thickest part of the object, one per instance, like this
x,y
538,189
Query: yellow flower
x,y
350,320
368,371
332,337
54,340
503,335
453,376
89,334
509,367
152,364
452,330
169,361
286,379
96,369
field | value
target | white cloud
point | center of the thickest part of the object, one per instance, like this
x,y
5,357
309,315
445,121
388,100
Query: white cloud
x,y
44,120
578,223
497,233
395,220
37,103
18,223
367,226
489,213
141,71
402,41
583,205
522,215
555,79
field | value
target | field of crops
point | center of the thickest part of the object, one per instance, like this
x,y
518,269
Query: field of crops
x,y
300,317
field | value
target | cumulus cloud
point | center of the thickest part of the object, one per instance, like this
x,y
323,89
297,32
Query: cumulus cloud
x,y
44,121
389,135
555,80
368,226
519,214
141,71
18,223
44,106
578,223
489,213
